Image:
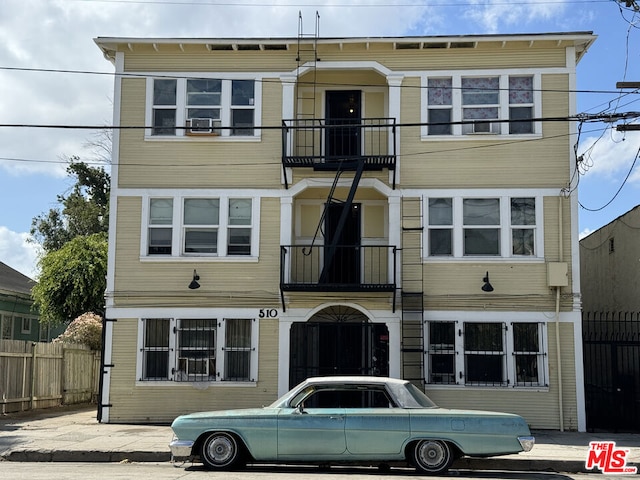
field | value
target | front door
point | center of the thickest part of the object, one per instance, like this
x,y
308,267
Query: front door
x,y
342,139
342,263
338,340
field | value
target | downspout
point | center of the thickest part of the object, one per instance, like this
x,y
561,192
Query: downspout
x,y
558,356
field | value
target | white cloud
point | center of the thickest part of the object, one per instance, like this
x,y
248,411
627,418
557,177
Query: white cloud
x,y
496,15
585,233
611,156
16,252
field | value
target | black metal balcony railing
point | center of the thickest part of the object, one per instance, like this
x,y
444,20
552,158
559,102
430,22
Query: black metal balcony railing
x,y
332,144
343,268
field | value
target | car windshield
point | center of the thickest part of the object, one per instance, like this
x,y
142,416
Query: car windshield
x,y
403,395
410,396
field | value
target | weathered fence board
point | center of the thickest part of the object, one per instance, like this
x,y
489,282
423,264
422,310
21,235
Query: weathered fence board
x,y
41,375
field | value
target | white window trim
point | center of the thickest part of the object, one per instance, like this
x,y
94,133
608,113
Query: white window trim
x,y
177,232
506,240
503,108
509,360
220,357
25,327
225,107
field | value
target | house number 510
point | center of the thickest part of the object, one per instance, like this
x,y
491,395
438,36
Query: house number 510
x,y
268,313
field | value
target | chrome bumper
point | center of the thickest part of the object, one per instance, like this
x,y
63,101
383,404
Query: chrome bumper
x,y
181,448
527,443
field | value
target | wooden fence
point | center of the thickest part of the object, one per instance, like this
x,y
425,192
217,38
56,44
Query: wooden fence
x,y
42,375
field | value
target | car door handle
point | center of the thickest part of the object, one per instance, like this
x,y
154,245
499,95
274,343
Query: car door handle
x,y
333,417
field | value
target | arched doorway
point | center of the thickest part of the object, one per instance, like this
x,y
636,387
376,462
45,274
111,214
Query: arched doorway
x,y
338,340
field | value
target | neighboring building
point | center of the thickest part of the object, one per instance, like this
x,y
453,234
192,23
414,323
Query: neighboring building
x,y
379,206
610,279
18,320
610,266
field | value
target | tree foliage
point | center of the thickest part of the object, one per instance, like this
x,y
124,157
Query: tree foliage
x,y
85,330
84,211
72,279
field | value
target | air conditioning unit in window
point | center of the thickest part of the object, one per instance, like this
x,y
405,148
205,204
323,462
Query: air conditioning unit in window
x,y
203,126
197,366
481,127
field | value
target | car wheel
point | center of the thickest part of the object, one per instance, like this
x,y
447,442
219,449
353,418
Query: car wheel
x,y
220,451
432,456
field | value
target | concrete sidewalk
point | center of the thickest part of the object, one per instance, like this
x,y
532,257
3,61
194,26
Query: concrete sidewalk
x,y
69,434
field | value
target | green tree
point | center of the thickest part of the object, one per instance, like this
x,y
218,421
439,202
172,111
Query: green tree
x,y
84,211
72,279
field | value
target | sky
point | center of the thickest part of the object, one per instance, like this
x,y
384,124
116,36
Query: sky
x,y
52,73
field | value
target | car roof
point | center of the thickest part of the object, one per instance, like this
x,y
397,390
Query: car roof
x,y
361,379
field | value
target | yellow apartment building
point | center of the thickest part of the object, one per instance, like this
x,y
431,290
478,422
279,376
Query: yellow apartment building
x,y
292,207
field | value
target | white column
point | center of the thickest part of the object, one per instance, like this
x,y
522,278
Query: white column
x,y
395,82
288,111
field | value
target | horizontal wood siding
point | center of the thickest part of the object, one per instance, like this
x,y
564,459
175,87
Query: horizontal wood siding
x,y
539,408
190,162
223,283
486,55
491,161
161,402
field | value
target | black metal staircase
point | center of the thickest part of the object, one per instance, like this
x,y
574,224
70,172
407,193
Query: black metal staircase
x,y
412,292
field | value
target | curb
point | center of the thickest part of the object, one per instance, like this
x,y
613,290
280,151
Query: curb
x,y
80,456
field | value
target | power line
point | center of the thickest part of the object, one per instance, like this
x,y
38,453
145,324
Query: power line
x,y
267,81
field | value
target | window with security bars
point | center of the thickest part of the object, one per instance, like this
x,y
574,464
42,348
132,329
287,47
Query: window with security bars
x,y
479,354
484,354
197,350
237,349
442,353
155,349
528,354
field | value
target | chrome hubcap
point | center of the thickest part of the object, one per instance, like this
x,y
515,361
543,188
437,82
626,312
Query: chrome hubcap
x,y
221,449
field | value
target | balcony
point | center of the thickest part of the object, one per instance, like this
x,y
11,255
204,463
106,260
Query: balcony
x,y
339,144
341,268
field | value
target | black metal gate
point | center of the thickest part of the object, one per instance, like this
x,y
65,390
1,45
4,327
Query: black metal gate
x,y
611,344
319,348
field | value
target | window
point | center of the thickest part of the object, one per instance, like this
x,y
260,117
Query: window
x,y
6,322
160,231
499,227
198,350
164,107
481,220
44,335
439,100
237,349
202,106
155,349
440,226
486,103
481,104
25,322
492,354
520,105
239,226
201,220
523,222
484,353
215,227
528,355
442,353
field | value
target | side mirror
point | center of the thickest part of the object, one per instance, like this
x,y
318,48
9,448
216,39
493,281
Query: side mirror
x,y
300,409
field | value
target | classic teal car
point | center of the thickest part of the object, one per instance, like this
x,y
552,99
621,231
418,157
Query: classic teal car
x,y
328,420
